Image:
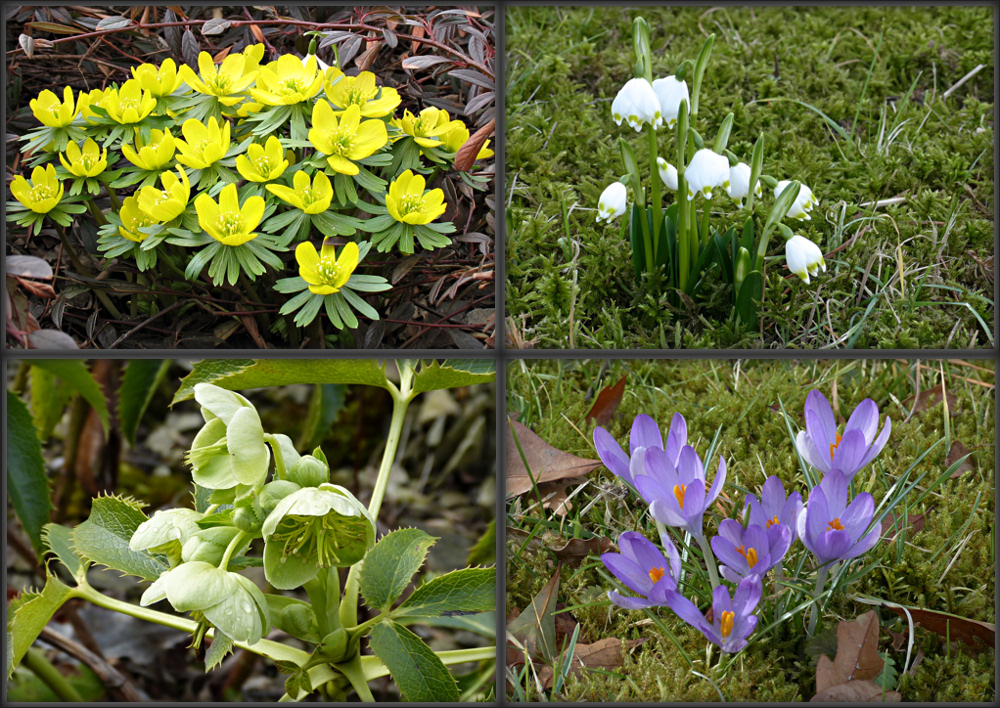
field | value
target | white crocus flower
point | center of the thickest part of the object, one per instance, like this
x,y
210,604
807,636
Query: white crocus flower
x,y
670,92
739,183
613,202
803,204
668,173
707,170
804,258
637,105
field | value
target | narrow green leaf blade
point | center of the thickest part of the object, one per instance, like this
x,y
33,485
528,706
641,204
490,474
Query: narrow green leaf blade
x,y
104,537
141,378
27,486
463,591
419,673
390,564
239,374
76,374
28,615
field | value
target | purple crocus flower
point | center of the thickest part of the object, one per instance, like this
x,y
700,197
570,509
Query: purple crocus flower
x,y
774,508
677,496
732,621
645,434
643,569
826,449
751,551
833,529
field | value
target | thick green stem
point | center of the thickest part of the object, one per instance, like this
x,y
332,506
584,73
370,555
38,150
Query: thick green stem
x,y
96,212
356,675
36,662
324,595
694,247
817,591
706,550
654,179
230,549
704,222
113,196
401,398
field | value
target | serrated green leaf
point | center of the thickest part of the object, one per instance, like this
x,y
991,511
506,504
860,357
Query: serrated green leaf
x,y
141,378
49,396
104,537
481,623
27,485
75,373
390,564
59,540
28,615
452,373
419,673
239,374
222,644
467,590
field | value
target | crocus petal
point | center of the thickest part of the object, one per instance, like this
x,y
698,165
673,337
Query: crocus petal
x,y
721,601
732,530
628,572
810,453
628,603
665,513
686,610
823,427
858,515
865,544
720,479
817,517
834,486
689,466
880,442
849,453
772,494
725,552
645,433
865,418
779,538
832,545
640,550
611,454
676,436
747,596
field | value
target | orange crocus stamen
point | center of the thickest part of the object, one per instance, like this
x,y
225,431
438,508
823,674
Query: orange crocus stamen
x,y
727,624
833,446
655,574
679,490
750,556
835,525
772,521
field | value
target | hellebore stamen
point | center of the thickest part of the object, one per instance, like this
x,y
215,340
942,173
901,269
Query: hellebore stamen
x,y
726,625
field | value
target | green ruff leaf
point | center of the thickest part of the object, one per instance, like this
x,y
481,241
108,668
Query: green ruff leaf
x,y
453,373
28,615
59,541
104,538
390,564
419,673
467,590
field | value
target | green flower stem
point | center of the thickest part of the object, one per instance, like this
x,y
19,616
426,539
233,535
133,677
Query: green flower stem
x,y
84,271
704,222
35,661
324,595
96,212
706,549
373,668
817,591
401,398
355,674
654,178
230,549
692,234
113,196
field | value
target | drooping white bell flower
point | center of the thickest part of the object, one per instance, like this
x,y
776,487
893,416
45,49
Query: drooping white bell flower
x,y
670,93
739,183
804,258
320,64
613,202
637,105
668,173
803,204
706,171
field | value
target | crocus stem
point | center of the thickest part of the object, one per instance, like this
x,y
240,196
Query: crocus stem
x,y
713,573
42,668
654,179
817,591
401,398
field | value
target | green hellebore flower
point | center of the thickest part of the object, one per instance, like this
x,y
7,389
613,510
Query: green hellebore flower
x,y
311,528
231,602
166,532
230,448
209,545
309,472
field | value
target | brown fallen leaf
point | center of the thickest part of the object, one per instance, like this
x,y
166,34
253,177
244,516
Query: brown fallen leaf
x,y
977,635
957,452
914,523
607,403
929,398
546,465
856,692
848,677
535,627
604,654
571,552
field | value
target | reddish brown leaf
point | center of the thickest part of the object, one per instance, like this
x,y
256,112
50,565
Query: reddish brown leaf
x,y
257,34
856,692
978,635
607,403
930,398
545,463
571,552
603,654
827,674
535,627
466,154
958,451
857,648
914,522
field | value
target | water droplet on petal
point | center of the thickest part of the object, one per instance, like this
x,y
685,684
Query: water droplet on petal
x,y
246,606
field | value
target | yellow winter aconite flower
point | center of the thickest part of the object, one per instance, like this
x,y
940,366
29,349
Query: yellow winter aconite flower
x,y
224,82
44,191
154,155
227,221
203,145
87,99
428,127
361,91
166,204
252,56
454,139
346,139
324,272
128,104
312,198
262,163
53,113
88,162
409,203
286,81
159,81
132,220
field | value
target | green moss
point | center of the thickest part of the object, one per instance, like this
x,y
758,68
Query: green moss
x,y
562,147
